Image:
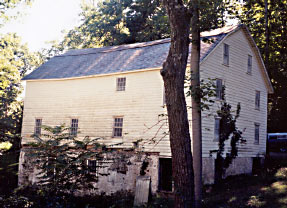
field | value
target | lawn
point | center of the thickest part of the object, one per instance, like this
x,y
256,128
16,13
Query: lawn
x,y
267,189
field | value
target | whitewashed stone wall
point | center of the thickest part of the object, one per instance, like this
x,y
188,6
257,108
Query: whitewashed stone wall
x,y
117,175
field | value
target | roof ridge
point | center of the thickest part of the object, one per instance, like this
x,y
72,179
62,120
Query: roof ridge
x,y
107,49
119,47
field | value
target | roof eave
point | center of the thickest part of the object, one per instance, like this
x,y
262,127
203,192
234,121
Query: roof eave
x,y
257,52
260,60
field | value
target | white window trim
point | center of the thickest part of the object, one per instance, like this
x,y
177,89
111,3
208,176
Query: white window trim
x,y
122,127
71,127
121,88
221,92
226,54
249,70
36,127
95,171
256,141
216,138
257,107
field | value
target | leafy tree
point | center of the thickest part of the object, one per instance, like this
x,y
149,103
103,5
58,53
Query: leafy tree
x,y
6,5
147,21
270,37
212,14
112,22
62,160
15,61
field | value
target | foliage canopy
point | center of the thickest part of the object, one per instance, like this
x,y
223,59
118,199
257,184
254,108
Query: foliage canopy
x,y
15,61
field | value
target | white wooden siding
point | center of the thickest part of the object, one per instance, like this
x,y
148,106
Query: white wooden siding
x,y
95,101
240,87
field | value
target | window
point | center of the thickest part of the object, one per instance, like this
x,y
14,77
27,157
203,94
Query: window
x,y
121,84
216,129
256,136
257,100
38,124
226,54
74,127
92,165
249,64
118,127
219,89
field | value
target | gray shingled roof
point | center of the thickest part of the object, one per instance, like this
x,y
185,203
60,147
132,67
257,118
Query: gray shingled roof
x,y
106,60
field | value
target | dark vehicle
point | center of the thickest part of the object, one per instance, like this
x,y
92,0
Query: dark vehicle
x,y
277,143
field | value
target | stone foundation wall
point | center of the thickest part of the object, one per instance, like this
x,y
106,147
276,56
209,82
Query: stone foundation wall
x,y
240,165
120,174
208,170
116,175
27,172
116,180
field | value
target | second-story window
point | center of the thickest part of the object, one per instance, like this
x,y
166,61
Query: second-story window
x,y
118,127
121,84
257,100
74,127
226,54
249,64
219,89
38,124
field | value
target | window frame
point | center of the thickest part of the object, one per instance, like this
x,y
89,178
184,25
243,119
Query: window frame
x,y
38,125
118,127
249,64
74,127
219,89
226,54
256,133
216,130
257,100
121,84
92,165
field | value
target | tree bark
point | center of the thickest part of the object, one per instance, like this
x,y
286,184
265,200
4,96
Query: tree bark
x,y
173,73
266,51
195,103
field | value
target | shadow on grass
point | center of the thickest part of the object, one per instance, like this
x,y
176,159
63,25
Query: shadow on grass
x,y
267,189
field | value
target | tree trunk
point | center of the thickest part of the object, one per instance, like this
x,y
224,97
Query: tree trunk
x,y
195,103
266,51
173,73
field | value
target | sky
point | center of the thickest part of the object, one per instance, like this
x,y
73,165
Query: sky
x,y
44,21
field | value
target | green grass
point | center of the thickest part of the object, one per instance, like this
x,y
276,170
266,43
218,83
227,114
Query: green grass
x,y
265,190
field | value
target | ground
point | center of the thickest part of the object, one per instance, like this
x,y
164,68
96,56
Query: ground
x,y
265,189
